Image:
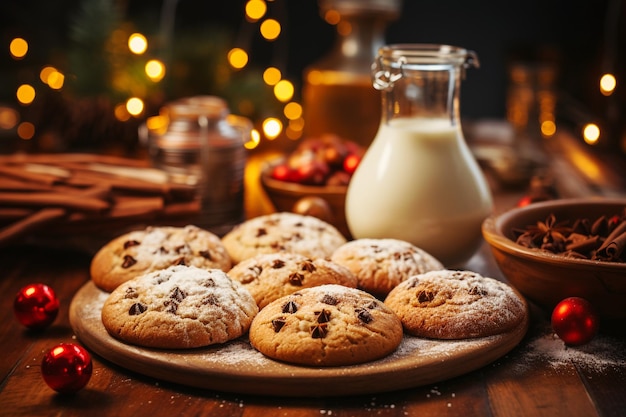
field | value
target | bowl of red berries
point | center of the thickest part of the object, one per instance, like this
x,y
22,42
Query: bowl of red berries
x,y
562,248
313,178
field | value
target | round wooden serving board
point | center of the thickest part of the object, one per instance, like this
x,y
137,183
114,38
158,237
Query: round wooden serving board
x,y
238,368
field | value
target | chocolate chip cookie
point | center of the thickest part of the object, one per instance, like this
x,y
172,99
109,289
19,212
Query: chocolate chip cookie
x,y
273,275
381,264
450,304
328,325
156,247
282,232
179,307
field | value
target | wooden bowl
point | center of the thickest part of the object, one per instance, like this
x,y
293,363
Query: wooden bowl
x,y
324,202
547,278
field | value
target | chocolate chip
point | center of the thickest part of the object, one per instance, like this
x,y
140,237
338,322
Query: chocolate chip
x,y
261,231
413,283
137,309
363,315
308,266
130,243
277,246
329,299
172,306
210,299
323,316
178,294
278,324
278,263
179,261
425,296
128,261
131,293
296,279
206,254
319,331
290,307
477,291
209,282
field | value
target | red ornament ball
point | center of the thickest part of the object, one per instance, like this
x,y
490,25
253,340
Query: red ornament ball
x,y
575,321
66,368
36,306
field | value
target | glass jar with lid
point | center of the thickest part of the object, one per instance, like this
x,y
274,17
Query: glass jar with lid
x,y
203,147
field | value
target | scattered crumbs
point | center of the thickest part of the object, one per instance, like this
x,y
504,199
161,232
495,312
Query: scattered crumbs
x,y
449,405
600,353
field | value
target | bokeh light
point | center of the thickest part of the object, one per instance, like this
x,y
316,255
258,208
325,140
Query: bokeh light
x,y
292,110
255,9
137,43
237,58
134,106
591,133
607,84
9,118
18,48
284,90
271,76
155,70
25,94
255,139
270,29
26,130
272,127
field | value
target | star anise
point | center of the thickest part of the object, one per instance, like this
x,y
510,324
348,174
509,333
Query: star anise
x,y
548,235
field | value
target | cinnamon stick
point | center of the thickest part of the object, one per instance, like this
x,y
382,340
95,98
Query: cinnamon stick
x,y
30,223
46,199
23,174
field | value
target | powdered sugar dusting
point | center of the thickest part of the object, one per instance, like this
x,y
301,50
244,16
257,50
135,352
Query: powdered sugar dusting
x,y
598,355
283,231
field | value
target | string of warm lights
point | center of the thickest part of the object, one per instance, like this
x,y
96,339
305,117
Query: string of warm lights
x,y
290,123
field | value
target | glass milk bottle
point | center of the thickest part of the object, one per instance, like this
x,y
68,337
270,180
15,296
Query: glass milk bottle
x,y
418,181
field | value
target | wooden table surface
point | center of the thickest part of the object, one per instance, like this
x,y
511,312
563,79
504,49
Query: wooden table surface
x,y
539,377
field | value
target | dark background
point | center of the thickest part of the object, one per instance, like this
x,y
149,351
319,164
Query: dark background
x,y
571,33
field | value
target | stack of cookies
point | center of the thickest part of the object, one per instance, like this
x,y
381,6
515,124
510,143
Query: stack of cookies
x,y
295,287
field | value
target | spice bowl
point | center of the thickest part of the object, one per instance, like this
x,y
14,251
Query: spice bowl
x,y
547,277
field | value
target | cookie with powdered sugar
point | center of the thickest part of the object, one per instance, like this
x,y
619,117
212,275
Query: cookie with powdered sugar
x,y
180,307
328,325
154,248
270,276
382,264
450,304
282,232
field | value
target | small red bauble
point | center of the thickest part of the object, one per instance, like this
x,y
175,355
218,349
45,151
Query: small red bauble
x,y
36,306
351,162
66,368
282,173
575,321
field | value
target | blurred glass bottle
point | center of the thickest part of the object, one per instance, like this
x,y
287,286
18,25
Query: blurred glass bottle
x,y
337,93
202,146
